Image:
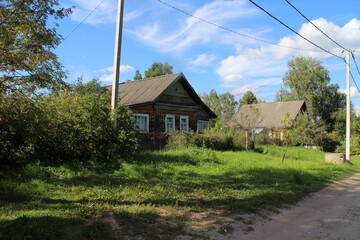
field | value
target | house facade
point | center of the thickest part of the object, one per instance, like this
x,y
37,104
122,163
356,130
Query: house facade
x,y
163,105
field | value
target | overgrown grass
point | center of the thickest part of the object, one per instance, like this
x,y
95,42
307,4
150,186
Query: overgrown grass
x,y
157,195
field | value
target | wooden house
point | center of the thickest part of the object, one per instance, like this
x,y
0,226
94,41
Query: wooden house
x,y
267,117
163,105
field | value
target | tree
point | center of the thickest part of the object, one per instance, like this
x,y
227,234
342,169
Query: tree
x,y
138,75
223,105
27,62
306,79
248,98
158,69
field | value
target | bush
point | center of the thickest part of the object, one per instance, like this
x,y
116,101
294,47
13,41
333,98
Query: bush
x,y
72,125
216,140
328,142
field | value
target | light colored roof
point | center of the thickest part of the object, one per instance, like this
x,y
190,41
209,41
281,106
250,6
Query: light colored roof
x,y
145,90
266,115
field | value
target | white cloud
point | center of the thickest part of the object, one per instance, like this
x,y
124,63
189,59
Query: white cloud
x,y
109,77
204,60
354,93
103,14
248,68
192,31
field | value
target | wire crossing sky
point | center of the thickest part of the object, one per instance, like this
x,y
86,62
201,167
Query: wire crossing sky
x,y
218,44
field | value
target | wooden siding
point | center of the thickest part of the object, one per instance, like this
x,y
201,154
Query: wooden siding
x,y
177,94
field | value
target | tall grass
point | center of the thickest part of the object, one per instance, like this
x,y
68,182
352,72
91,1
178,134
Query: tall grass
x,y
154,195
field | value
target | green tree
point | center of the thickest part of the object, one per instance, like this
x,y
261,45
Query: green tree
x,y
27,39
158,69
248,98
138,75
306,79
223,105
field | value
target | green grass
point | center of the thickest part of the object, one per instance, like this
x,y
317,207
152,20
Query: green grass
x,y
158,195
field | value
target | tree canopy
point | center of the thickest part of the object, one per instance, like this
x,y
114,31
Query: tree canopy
x,y
158,69
138,75
248,98
27,62
223,105
306,79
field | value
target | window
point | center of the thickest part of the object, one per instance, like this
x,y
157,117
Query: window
x,y
202,126
169,123
184,123
141,122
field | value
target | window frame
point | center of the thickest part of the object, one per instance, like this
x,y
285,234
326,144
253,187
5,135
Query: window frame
x,y
173,121
202,122
135,115
187,123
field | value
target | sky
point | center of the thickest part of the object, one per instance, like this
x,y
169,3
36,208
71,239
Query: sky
x,y
211,57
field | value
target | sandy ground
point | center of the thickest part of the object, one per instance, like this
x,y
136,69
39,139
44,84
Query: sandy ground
x,y
332,214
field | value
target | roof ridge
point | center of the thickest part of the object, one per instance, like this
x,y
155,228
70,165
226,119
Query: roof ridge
x,y
152,78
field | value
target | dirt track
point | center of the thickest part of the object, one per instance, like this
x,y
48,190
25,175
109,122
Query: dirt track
x,y
332,214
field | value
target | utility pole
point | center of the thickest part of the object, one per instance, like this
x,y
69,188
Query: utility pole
x,y
348,109
117,56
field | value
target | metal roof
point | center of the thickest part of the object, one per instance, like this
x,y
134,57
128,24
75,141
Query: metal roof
x,y
148,90
266,115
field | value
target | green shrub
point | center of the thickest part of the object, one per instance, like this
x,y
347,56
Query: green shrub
x,y
72,125
216,140
327,142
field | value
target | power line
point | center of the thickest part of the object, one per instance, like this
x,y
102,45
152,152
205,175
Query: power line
x,y
314,25
282,23
82,21
235,32
357,68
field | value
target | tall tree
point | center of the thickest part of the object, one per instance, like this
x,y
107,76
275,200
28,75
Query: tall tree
x,y
306,79
138,75
27,62
248,98
158,69
223,105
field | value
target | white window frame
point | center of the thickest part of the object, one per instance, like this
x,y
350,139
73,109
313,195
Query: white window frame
x,y
201,123
187,123
166,123
146,116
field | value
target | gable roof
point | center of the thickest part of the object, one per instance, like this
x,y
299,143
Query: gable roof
x,y
148,90
267,115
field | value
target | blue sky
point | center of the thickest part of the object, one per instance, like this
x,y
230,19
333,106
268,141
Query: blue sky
x,y
210,57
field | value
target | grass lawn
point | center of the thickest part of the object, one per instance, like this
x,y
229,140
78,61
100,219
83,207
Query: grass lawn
x,y
159,195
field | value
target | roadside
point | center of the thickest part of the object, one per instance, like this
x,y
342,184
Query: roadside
x,y
332,214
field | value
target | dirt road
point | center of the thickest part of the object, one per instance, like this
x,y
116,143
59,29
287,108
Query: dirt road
x,y
332,214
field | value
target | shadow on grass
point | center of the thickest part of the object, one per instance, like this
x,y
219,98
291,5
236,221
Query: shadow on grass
x,y
153,182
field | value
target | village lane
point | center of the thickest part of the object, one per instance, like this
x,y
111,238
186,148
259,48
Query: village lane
x,y
332,214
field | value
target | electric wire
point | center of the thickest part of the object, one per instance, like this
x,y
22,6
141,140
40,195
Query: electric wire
x,y
314,25
357,68
75,28
235,32
292,30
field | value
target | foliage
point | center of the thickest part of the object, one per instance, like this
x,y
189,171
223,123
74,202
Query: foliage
x,y
26,42
71,125
304,131
223,105
328,142
21,122
158,69
216,140
138,75
248,98
80,126
306,79
156,196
